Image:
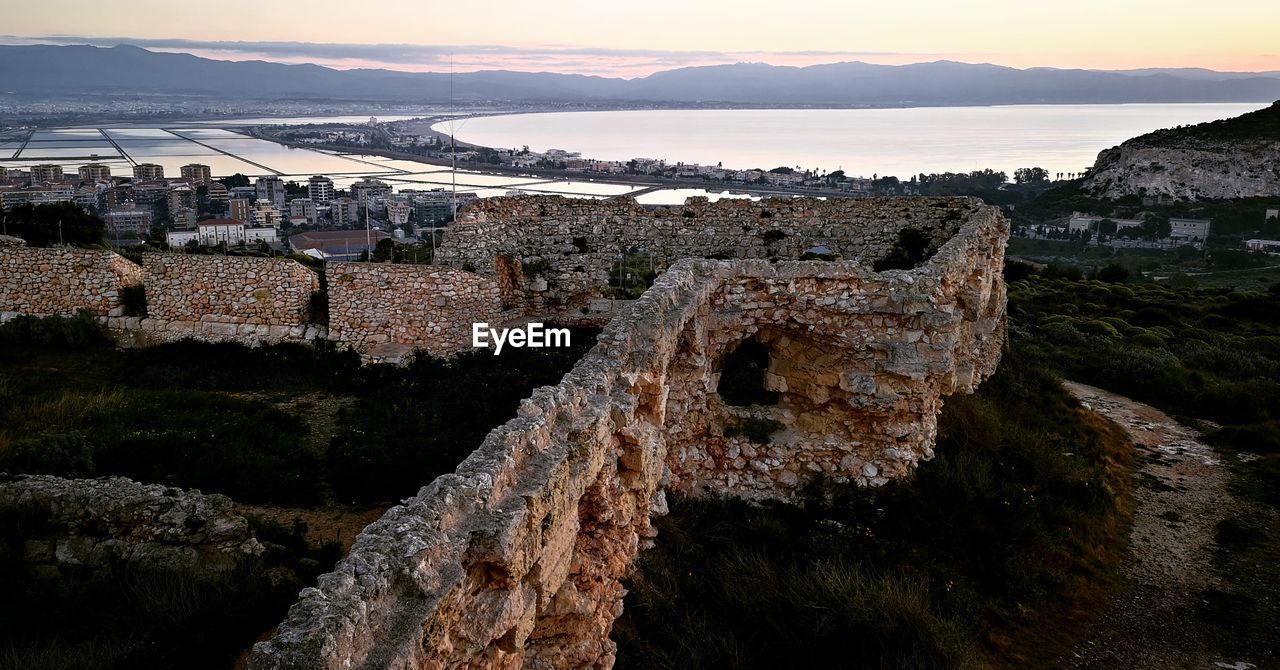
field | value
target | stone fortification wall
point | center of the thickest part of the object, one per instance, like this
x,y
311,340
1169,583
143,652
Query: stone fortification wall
x,y
93,522
424,306
516,559
63,281
566,247
227,290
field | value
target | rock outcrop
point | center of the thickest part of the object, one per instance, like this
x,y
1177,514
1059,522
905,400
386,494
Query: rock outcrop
x,y
94,522
1232,158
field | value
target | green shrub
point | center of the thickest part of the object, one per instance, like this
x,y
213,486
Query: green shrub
x,y
1149,339
1063,333
81,330
1097,328
66,454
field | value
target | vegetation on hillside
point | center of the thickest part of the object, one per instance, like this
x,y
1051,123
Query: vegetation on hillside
x,y
1261,125
1212,358
1007,519
226,418
57,223
229,419
124,616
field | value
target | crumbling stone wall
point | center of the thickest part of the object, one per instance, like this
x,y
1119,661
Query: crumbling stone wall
x,y
567,246
63,281
424,306
516,559
93,522
228,290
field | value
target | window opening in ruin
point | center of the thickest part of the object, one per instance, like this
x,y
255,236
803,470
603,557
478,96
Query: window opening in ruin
x,y
910,251
631,274
742,376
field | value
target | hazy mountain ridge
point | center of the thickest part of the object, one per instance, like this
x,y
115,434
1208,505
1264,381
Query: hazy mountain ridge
x,y
1230,158
68,70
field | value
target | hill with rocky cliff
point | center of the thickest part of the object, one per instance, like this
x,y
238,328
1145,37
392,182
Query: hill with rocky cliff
x,y
1231,158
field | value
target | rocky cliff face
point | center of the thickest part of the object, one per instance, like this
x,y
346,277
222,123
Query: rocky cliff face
x,y
1233,158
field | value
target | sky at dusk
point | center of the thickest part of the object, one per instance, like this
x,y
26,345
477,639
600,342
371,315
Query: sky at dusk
x,y
608,38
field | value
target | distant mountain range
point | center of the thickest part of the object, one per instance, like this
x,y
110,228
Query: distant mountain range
x,y
40,70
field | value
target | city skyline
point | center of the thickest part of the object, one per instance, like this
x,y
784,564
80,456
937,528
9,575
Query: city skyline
x,y
573,36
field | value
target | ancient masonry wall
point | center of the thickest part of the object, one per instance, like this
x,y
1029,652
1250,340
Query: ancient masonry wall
x,y
62,281
424,306
516,559
228,290
564,248
94,522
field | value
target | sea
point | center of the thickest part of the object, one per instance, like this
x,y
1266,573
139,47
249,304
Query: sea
x,y
861,142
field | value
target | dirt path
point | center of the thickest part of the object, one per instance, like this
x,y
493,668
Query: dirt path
x,y
1180,495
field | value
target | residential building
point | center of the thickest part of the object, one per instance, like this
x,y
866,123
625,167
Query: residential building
x,y
265,214
87,196
150,192
46,172
398,213
94,172
148,171
184,218
51,193
1270,246
181,238
116,196
272,190
181,197
320,190
1079,222
342,245
241,209
254,235
212,232
365,191
304,208
343,211
249,193
217,192
429,212
128,219
1189,229
196,174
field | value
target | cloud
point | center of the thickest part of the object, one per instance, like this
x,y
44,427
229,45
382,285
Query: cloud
x,y
424,57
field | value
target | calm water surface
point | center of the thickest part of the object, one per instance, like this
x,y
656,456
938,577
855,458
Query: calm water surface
x,y
902,142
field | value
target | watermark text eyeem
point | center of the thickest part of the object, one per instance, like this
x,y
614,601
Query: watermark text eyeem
x,y
534,335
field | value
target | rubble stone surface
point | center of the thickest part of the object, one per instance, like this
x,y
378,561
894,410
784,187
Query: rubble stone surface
x,y
94,522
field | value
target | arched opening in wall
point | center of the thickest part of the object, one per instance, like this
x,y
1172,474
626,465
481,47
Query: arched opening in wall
x,y
632,273
743,375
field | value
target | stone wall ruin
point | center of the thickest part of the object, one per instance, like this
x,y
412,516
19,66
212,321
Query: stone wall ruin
x,y
61,281
424,306
516,559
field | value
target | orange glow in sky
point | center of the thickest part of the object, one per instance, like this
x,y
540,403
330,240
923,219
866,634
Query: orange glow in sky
x,y
634,39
